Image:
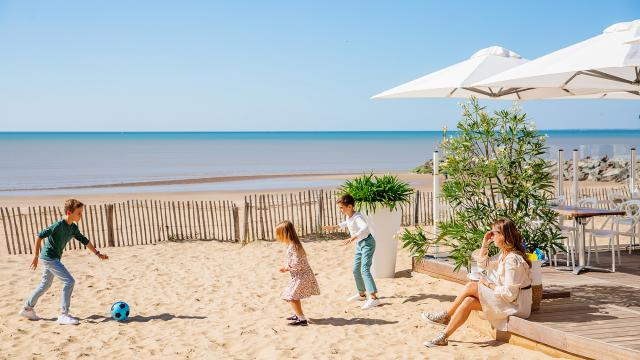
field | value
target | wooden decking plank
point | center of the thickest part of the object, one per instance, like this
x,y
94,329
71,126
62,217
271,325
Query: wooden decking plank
x,y
609,332
573,313
579,318
624,340
593,324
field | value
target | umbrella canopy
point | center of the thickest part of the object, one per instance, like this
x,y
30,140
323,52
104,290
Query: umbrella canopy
x,y
604,64
456,80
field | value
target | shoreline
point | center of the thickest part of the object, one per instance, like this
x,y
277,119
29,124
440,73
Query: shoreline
x,y
183,181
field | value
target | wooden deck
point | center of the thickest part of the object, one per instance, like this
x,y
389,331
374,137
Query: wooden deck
x,y
601,319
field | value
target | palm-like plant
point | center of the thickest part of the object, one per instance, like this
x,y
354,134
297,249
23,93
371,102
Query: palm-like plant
x,y
370,191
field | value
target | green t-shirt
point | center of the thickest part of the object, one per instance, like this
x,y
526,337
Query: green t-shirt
x,y
56,236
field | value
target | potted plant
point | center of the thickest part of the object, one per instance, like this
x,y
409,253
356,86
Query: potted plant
x,y
495,169
379,198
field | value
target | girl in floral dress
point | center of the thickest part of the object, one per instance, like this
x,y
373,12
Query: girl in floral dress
x,y
303,282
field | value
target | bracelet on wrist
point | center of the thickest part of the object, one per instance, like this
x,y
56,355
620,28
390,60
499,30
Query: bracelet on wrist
x,y
97,253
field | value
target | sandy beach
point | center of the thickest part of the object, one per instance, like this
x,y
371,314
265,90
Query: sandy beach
x,y
205,300
209,300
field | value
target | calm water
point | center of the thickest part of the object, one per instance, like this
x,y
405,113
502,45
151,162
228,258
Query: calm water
x,y
50,160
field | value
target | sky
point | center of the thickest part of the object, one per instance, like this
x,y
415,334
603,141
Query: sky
x,y
274,65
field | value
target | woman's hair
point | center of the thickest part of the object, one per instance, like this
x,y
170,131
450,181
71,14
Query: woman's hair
x,y
512,238
286,233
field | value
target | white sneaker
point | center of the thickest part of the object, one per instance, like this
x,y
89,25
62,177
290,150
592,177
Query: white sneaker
x,y
370,303
29,314
65,319
437,318
357,297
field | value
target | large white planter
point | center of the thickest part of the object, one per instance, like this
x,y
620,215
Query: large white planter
x,y
384,224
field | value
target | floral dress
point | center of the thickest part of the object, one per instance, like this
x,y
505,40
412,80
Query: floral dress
x,y
303,282
512,293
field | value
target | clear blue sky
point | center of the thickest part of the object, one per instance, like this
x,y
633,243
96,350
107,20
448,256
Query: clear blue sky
x,y
273,65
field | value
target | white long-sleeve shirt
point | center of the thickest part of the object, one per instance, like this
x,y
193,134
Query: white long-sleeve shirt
x,y
357,226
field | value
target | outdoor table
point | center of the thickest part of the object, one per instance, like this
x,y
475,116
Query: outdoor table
x,y
580,216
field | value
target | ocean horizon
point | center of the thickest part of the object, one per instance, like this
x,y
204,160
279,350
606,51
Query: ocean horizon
x,y
48,160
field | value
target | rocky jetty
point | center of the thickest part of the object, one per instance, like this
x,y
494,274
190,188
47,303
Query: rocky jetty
x,y
590,169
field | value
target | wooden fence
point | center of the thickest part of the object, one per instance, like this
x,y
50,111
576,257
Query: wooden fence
x,y
151,221
127,223
310,210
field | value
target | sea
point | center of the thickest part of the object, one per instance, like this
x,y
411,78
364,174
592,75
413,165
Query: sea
x,y
50,163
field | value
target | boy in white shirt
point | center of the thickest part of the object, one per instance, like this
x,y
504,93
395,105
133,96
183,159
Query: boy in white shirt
x,y
365,247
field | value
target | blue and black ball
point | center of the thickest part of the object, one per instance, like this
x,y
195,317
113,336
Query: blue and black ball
x,y
120,311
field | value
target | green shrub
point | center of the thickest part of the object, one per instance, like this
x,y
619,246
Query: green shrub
x,y
371,191
495,170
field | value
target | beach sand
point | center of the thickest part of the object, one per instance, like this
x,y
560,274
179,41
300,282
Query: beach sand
x,y
211,300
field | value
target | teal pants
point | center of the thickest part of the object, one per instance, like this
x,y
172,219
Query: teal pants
x,y
362,265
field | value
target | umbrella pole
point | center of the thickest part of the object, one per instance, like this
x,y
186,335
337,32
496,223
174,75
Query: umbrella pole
x,y
436,197
560,191
632,173
575,177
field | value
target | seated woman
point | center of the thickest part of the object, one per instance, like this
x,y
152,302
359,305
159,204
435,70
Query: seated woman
x,y
510,295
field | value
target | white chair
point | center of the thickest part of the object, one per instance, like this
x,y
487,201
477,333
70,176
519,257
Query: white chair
x,y
630,219
592,246
570,233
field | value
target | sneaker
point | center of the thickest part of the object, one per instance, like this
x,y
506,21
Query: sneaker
x,y
298,322
66,319
357,297
292,317
29,314
439,340
437,318
370,303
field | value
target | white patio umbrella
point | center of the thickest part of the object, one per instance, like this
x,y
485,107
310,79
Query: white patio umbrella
x,y
456,80
607,64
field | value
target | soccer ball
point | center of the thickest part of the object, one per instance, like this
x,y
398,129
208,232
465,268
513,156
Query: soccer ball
x,y
120,311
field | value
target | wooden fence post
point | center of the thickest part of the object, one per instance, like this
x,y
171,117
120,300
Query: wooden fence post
x,y
320,210
6,234
236,223
110,238
417,208
245,236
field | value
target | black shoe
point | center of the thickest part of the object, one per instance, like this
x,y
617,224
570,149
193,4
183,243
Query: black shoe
x,y
299,323
293,317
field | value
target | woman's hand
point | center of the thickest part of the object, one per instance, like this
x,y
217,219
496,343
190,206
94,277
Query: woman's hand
x,y
486,283
284,269
329,228
488,238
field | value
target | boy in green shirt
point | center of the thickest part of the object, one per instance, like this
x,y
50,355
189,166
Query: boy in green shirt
x,y
57,236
